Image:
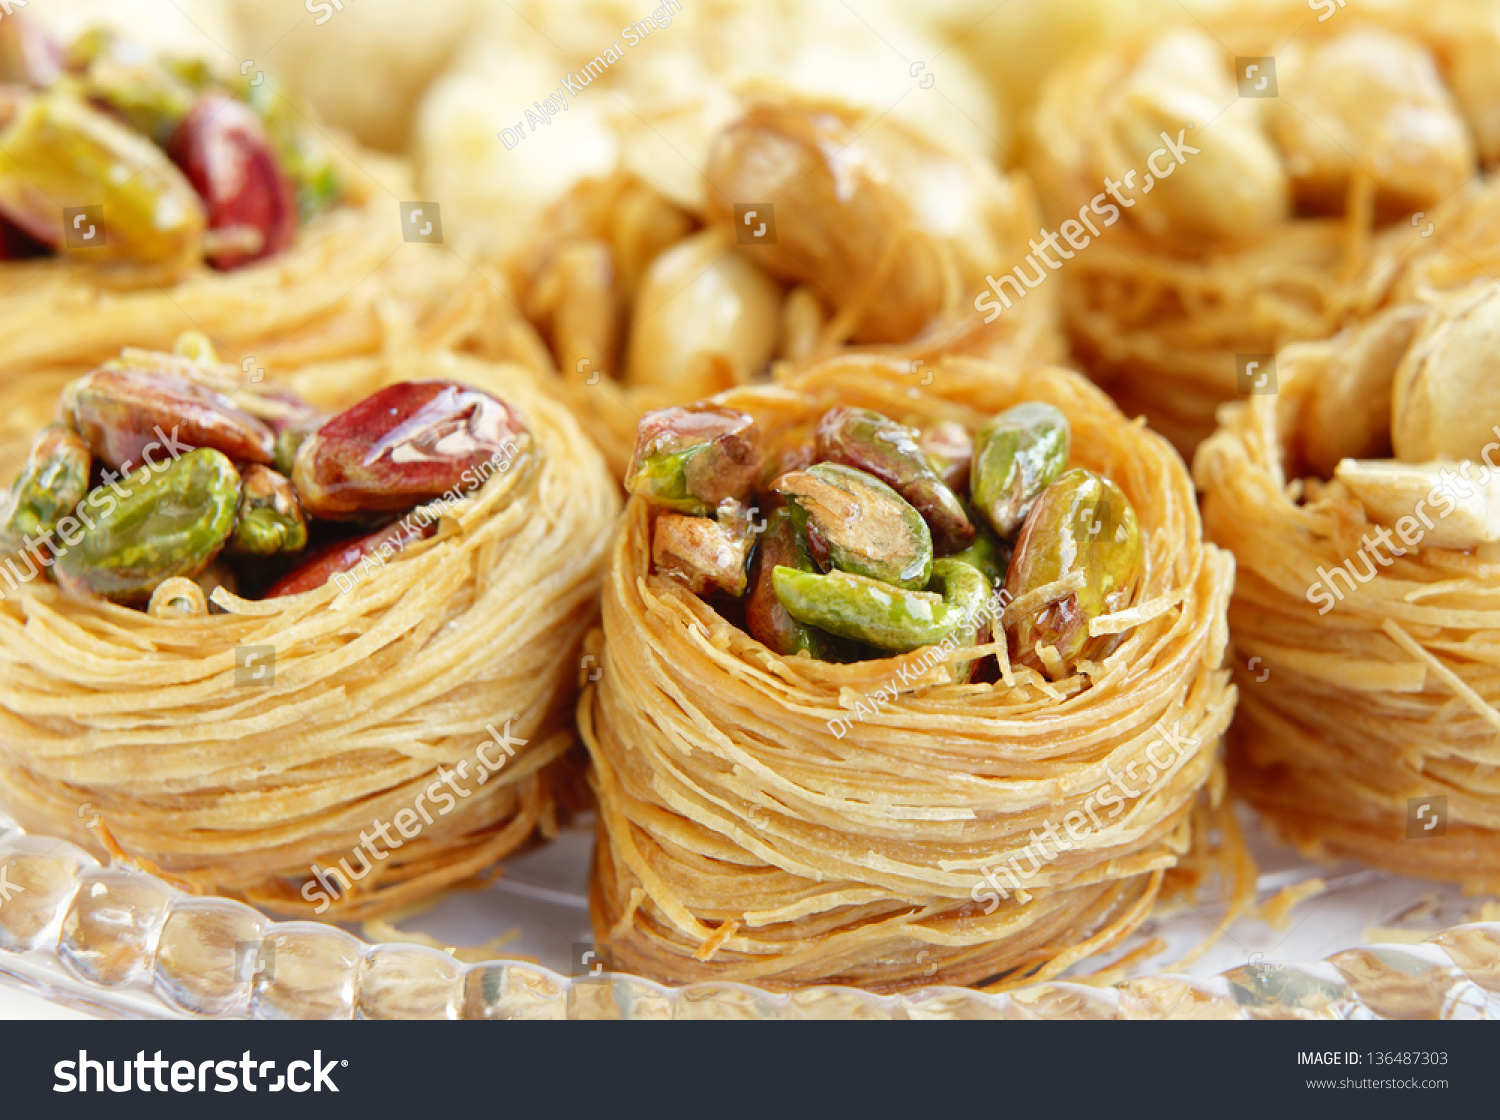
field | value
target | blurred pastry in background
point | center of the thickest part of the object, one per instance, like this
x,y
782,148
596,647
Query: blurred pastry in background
x,y
1014,45
1259,207
1362,504
205,28
146,193
683,198
364,66
825,228
650,89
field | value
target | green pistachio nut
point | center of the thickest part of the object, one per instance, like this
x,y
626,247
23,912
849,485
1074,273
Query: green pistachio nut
x,y
60,153
690,460
1082,523
169,522
270,518
966,592
858,524
88,46
284,450
50,485
1017,454
865,610
129,79
989,554
194,73
769,623
865,440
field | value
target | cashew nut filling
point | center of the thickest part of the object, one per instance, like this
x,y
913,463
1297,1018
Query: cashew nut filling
x,y
817,229
1217,190
1362,504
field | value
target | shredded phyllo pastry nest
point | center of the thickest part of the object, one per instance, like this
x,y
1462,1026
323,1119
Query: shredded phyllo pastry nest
x,y
784,821
1285,203
1368,674
165,743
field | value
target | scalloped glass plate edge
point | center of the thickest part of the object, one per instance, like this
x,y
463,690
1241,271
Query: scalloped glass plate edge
x,y
115,942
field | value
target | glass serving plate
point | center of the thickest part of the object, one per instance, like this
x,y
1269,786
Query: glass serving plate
x,y
116,942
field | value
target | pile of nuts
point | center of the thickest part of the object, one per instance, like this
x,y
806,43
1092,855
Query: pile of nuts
x,y
1364,103
881,538
87,126
1424,435
155,487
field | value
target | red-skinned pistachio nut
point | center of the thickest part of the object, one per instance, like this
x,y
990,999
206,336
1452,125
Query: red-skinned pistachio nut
x,y
223,150
949,450
404,445
195,358
15,243
692,459
121,411
866,440
347,555
703,554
